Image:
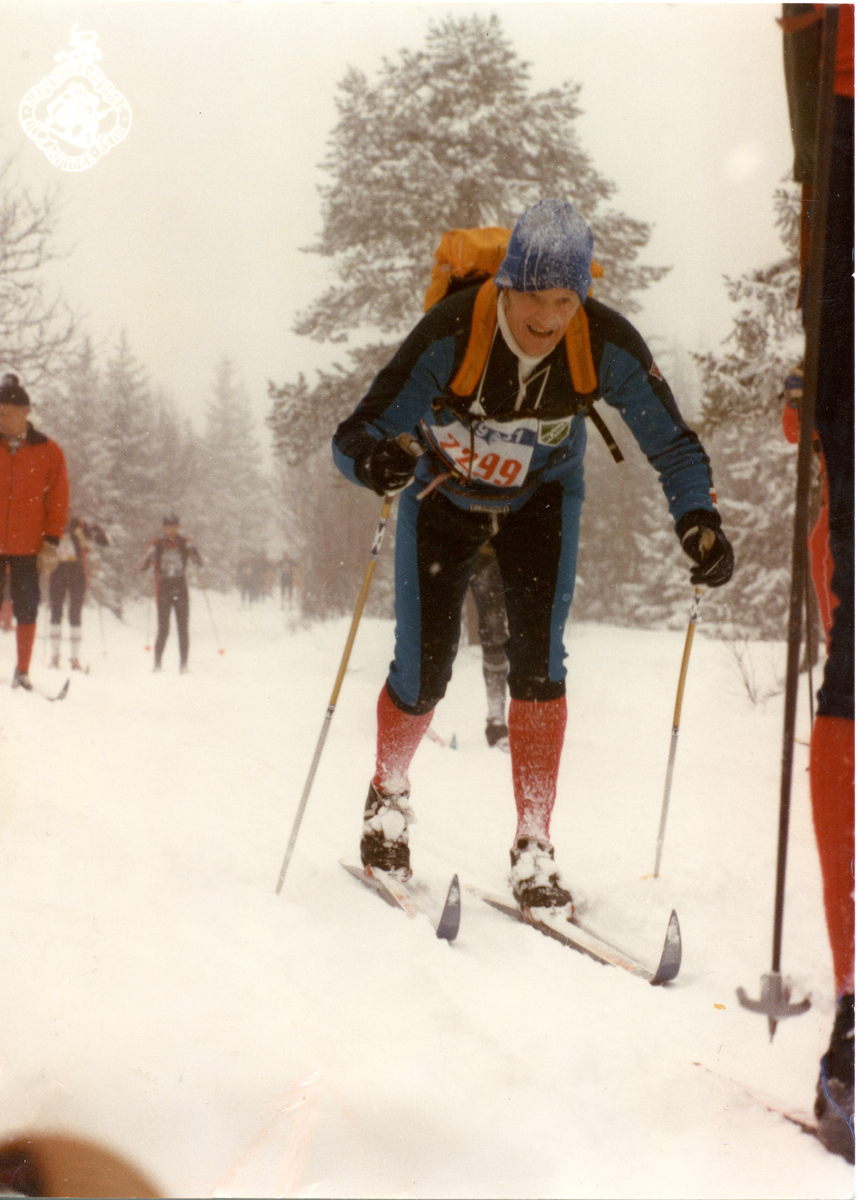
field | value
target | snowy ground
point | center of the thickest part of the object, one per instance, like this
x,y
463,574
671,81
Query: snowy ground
x,y
158,997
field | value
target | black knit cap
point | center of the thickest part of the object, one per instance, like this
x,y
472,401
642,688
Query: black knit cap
x,y
170,519
11,392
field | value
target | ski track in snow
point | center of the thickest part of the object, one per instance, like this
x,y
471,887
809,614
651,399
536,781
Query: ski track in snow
x,y
158,997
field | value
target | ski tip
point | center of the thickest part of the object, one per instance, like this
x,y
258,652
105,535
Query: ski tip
x,y
670,963
450,919
63,692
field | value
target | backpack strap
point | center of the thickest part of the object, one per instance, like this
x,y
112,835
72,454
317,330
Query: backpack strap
x,y
483,321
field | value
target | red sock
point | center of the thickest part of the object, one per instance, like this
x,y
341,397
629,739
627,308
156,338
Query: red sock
x,y
399,734
831,779
536,733
25,635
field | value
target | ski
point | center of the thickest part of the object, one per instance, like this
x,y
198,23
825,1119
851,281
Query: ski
x,y
400,895
37,691
804,1121
572,933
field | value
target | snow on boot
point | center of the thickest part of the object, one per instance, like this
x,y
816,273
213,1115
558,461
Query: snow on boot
x,y
535,879
834,1104
384,843
497,734
22,680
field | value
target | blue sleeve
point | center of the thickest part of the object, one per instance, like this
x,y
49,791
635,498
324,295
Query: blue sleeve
x,y
646,404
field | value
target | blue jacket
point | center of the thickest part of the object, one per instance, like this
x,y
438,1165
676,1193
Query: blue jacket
x,y
486,454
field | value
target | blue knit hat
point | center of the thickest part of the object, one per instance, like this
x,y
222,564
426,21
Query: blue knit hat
x,y
550,246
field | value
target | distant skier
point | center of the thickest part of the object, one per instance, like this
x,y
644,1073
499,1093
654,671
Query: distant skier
x,y
170,555
486,585
33,512
478,420
70,579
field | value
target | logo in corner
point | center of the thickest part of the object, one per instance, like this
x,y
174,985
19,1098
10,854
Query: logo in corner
x,y
75,115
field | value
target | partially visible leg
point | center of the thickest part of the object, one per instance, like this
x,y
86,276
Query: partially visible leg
x,y
76,592
56,592
436,544
24,577
182,604
163,599
487,588
536,735
832,743
537,555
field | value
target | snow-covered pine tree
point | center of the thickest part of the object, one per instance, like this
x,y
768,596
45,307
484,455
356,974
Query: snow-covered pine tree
x,y
36,328
448,136
130,494
236,517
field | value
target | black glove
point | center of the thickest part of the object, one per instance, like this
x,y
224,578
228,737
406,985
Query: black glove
x,y
704,541
389,466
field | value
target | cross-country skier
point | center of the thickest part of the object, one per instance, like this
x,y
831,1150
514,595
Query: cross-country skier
x,y
505,461
169,555
33,511
831,754
70,579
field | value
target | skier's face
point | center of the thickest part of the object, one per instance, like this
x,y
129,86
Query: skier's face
x,y
13,419
538,320
171,532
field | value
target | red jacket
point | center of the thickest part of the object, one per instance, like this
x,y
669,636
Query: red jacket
x,y
33,493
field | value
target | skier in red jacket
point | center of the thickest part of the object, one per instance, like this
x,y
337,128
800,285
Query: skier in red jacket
x,y
33,511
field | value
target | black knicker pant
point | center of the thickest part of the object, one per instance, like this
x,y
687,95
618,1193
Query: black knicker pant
x,y
437,546
173,594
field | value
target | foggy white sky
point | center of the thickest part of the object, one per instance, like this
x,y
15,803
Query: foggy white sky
x,y
187,233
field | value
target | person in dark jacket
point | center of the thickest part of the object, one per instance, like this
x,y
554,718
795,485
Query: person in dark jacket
x,y
33,511
478,420
831,754
169,555
70,579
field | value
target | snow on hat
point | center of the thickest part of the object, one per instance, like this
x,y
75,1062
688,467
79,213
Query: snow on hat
x,y
550,246
11,391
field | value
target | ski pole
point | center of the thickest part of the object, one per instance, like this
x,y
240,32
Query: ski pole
x,y
220,649
775,991
685,659
340,675
97,580
149,594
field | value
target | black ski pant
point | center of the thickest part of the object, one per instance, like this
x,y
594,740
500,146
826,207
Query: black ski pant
x,y
437,547
24,585
172,594
67,579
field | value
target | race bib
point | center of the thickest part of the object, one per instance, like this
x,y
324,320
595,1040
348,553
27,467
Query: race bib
x,y
496,453
172,566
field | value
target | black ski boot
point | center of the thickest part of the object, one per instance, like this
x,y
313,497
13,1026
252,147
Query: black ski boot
x,y
384,843
535,879
834,1103
497,734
